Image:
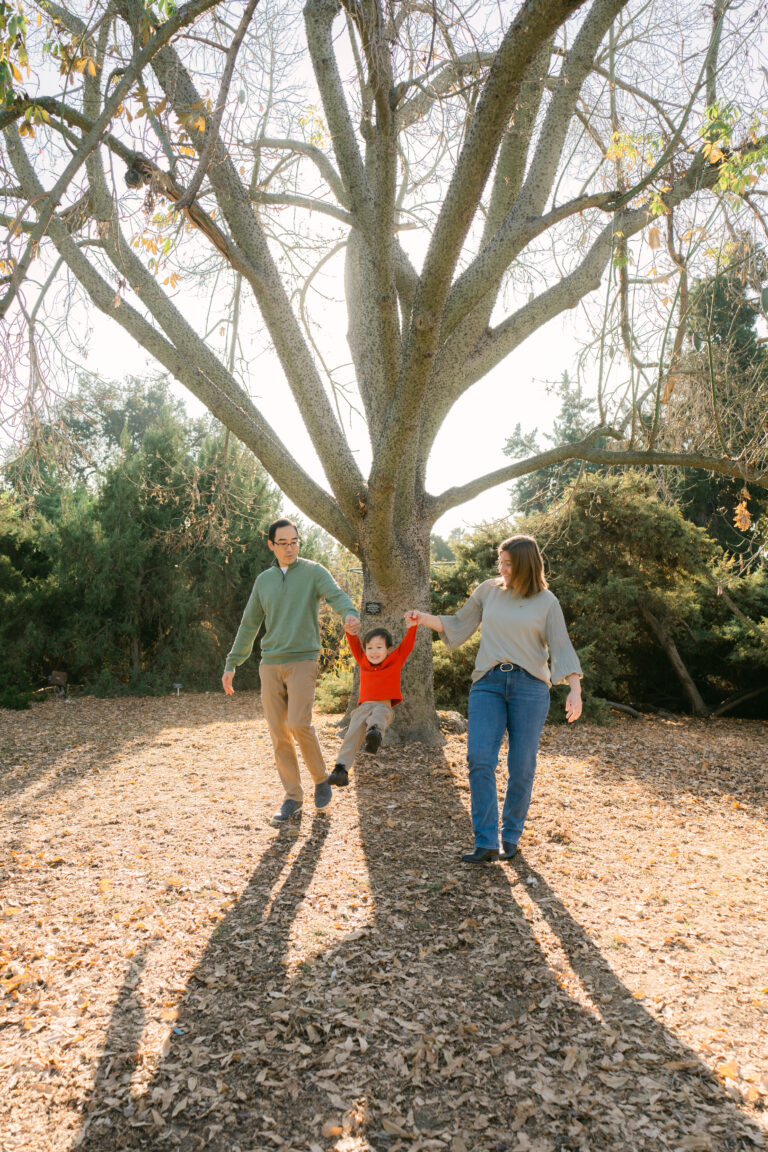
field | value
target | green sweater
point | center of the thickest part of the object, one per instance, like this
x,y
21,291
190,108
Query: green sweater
x,y
288,606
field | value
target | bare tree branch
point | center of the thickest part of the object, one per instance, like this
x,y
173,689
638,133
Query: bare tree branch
x,y
584,450
313,153
183,16
213,127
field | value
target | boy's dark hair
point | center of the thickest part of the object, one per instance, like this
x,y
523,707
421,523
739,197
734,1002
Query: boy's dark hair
x,y
378,632
272,530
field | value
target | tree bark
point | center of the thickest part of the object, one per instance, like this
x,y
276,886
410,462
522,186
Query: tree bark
x,y
676,660
387,596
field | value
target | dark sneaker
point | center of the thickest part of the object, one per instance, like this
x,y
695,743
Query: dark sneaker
x,y
372,739
508,850
288,809
323,794
339,777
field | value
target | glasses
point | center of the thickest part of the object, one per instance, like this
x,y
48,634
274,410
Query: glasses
x,y
287,543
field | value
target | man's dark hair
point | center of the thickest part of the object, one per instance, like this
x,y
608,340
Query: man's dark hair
x,y
272,531
379,632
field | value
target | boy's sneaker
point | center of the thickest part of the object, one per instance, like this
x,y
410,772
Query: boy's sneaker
x,y
288,809
323,794
372,739
339,776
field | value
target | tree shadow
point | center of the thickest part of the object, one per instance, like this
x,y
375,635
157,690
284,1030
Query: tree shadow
x,y
235,999
449,1016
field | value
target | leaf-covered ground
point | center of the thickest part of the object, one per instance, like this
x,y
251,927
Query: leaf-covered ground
x,y
178,974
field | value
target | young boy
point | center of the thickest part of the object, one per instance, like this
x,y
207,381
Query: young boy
x,y
380,664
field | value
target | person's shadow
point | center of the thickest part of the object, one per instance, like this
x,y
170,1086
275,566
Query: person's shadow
x,y
444,1024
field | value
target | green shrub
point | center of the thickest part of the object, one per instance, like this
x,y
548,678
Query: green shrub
x,y
334,690
15,698
453,675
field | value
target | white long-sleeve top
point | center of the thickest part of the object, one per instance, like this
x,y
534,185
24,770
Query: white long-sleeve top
x,y
516,630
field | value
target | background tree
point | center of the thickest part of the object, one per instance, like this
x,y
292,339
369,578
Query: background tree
x,y
482,172
724,369
639,587
575,420
131,576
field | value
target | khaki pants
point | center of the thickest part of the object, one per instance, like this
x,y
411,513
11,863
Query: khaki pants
x,y
372,712
287,696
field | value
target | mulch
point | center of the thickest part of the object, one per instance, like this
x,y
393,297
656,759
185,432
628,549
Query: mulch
x,y
175,973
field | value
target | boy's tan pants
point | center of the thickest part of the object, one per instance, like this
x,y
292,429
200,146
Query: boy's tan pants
x,y
287,696
372,712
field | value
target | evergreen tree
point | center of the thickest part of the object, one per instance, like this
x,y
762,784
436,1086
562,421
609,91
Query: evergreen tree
x,y
134,576
727,360
535,491
638,584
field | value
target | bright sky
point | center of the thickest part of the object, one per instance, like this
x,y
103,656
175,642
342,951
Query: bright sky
x,y
469,444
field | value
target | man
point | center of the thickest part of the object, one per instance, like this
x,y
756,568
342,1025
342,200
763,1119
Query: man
x,y
286,599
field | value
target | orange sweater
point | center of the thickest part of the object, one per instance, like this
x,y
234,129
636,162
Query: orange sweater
x,y
382,681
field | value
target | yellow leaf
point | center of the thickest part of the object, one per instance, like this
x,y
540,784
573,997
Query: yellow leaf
x,y
742,517
729,1070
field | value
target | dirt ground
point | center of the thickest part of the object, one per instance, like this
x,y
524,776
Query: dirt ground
x,y
177,974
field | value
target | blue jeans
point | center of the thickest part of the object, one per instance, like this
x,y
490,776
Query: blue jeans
x,y
517,703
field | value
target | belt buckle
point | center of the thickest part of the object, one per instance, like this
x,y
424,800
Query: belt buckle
x,y
506,667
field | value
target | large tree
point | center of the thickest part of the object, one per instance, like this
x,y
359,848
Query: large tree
x,y
482,169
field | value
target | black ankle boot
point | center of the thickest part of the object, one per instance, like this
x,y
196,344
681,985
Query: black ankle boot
x,y
481,856
339,776
372,739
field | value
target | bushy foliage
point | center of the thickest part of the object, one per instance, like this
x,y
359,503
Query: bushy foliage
x,y
334,690
612,547
132,575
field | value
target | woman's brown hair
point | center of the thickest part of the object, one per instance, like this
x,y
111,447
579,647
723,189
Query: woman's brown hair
x,y
527,565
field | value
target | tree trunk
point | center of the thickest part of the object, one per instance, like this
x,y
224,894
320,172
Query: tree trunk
x,y
384,604
676,660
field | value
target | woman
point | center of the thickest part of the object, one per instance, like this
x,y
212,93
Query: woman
x,y
521,621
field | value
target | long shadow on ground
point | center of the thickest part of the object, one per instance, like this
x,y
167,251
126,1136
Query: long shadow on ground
x,y
450,1019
